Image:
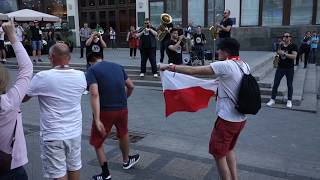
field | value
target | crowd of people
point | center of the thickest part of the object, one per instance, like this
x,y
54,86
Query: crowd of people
x,y
59,91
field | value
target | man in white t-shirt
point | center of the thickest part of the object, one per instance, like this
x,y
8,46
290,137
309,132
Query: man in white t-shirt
x,y
229,122
19,32
59,91
2,47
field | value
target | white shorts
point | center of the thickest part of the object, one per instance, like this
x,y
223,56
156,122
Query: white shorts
x,y
60,156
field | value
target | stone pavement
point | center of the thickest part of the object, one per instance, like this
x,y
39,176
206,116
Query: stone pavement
x,y
277,144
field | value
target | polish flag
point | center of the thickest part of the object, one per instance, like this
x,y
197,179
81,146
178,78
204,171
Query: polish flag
x,y
186,93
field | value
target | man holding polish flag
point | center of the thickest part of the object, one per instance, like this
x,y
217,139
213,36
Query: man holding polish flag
x,y
186,93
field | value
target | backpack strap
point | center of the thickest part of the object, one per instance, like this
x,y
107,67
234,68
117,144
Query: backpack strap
x,y
241,68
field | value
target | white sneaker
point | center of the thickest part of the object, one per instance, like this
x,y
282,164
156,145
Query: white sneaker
x,y
4,60
271,102
85,92
289,104
130,57
155,75
141,74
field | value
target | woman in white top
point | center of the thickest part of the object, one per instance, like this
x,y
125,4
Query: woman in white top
x,y
112,35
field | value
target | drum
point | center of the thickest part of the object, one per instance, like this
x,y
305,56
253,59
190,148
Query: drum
x,y
186,58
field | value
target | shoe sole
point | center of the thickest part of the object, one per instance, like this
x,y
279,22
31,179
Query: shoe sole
x,y
132,164
108,178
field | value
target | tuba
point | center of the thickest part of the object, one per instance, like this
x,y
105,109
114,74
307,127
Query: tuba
x,y
165,20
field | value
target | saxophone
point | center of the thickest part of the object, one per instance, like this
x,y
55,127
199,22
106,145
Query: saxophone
x,y
214,30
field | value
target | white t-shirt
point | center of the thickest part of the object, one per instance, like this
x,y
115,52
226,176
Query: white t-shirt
x,y
59,93
230,77
19,33
1,34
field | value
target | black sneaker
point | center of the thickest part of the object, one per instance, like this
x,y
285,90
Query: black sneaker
x,y
34,61
39,60
102,177
132,161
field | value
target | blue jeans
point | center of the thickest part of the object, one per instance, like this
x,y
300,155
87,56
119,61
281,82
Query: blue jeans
x,y
277,79
16,174
36,45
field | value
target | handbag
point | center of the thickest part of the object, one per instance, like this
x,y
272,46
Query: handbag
x,y
5,158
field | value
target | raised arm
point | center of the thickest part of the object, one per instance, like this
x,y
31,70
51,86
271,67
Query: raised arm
x,y
20,87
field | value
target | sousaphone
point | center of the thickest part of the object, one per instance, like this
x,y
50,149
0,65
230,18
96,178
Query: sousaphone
x,y
165,20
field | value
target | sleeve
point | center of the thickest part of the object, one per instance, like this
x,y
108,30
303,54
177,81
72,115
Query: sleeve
x,y
230,22
220,68
294,48
35,86
125,76
204,37
19,89
91,78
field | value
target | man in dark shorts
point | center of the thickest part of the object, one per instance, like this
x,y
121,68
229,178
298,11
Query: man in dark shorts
x,y
109,87
174,49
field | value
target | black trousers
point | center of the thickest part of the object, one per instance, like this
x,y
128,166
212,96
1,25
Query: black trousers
x,y
82,46
277,79
133,51
163,48
16,174
305,52
148,53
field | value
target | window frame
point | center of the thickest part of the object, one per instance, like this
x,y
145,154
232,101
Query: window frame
x,y
286,15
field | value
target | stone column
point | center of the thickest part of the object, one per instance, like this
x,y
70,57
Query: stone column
x,y
73,19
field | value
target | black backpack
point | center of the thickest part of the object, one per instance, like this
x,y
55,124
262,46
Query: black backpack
x,y
249,99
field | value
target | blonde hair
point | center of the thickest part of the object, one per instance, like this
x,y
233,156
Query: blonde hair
x,y
4,79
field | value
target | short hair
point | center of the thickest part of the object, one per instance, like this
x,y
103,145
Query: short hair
x,y
173,30
59,50
231,46
93,56
146,19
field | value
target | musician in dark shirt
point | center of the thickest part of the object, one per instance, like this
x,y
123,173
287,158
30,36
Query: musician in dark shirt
x,y
225,26
148,46
174,50
164,42
304,49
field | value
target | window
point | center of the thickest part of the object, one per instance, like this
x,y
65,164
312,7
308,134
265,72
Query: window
x,y
132,17
250,12
156,9
215,11
301,12
102,15
102,2
112,19
123,21
92,16
92,2
110,2
272,12
318,13
174,8
84,16
196,12
83,3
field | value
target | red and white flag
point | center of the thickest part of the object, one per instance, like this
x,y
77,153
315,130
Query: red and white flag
x,y
186,93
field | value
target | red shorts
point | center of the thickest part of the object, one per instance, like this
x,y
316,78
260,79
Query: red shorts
x,y
224,137
119,118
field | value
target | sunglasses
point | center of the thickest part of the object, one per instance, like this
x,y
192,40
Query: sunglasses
x,y
286,36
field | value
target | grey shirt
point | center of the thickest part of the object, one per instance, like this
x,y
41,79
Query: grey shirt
x,y
85,33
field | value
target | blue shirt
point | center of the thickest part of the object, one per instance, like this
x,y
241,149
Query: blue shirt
x,y
314,45
110,78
